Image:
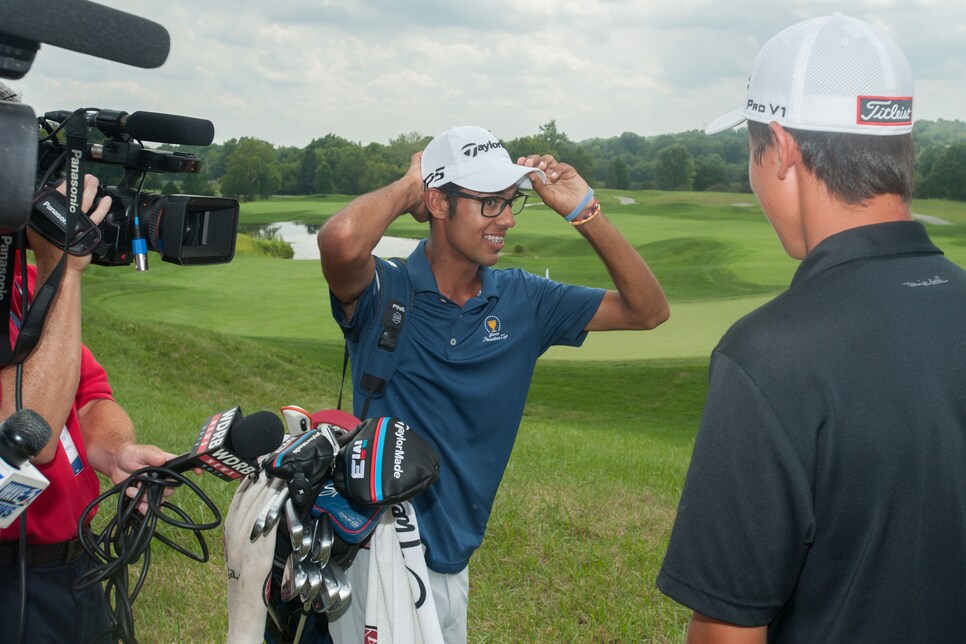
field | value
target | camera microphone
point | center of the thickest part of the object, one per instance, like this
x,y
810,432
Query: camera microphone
x,y
88,28
170,128
228,444
147,126
22,436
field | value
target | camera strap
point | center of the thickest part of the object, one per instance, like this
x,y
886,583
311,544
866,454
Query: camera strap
x,y
33,316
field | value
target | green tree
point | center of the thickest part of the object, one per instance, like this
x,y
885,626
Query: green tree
x,y
252,170
195,183
618,176
289,165
217,158
323,182
710,171
947,177
675,168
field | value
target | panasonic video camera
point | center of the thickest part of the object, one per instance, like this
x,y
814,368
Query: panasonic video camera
x,y
183,229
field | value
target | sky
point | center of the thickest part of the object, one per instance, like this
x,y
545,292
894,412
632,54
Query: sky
x,y
290,71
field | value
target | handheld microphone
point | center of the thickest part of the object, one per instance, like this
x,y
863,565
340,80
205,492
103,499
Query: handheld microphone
x,y
22,436
228,444
148,126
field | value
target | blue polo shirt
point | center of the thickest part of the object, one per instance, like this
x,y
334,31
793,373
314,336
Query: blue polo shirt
x,y
462,383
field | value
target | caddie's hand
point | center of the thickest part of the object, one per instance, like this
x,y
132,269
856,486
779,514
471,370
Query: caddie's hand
x,y
414,179
46,254
564,189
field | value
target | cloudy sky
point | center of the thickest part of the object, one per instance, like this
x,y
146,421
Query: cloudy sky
x,y
289,71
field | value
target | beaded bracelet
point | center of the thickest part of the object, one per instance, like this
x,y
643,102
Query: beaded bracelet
x,y
580,207
593,211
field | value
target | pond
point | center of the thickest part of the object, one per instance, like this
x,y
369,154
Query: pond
x,y
302,238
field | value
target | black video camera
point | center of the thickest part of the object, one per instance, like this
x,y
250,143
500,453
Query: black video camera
x,y
183,229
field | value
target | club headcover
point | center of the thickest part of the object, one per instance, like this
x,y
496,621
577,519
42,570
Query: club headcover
x,y
305,463
384,462
297,420
351,522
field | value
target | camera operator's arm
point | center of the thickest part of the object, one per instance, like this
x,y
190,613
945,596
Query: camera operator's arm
x,y
51,372
347,239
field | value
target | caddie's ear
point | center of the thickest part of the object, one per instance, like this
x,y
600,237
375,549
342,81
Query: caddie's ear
x,y
787,148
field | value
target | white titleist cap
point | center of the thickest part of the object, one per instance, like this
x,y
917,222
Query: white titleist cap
x,y
831,74
471,157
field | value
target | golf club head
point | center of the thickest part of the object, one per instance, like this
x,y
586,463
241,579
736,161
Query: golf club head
x,y
296,531
313,584
330,588
260,526
345,588
275,510
322,539
321,602
294,577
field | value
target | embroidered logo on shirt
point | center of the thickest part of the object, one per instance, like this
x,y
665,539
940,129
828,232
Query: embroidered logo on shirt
x,y
928,282
493,329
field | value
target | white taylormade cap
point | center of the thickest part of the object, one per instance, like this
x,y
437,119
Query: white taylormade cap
x,y
831,74
471,157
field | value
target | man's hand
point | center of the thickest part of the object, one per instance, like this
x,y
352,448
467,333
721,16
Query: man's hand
x,y
131,457
564,189
46,254
415,176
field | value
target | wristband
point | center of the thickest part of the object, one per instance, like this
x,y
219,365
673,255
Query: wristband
x,y
593,211
580,208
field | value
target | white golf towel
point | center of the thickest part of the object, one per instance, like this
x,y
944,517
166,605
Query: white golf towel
x,y
399,605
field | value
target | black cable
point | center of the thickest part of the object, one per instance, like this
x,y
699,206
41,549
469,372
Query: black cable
x,y
127,538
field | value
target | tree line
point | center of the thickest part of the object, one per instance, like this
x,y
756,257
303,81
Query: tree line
x,y
250,168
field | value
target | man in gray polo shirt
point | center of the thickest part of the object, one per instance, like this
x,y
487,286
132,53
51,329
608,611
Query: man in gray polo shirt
x,y
826,498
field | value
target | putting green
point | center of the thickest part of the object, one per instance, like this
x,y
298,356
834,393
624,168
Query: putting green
x,y
691,332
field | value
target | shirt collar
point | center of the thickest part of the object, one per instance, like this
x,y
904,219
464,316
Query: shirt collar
x,y
864,242
421,274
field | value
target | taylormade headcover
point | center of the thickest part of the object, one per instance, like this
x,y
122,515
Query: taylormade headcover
x,y
384,462
305,463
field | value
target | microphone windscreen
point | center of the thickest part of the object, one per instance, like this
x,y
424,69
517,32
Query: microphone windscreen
x,y
256,434
170,128
88,28
31,430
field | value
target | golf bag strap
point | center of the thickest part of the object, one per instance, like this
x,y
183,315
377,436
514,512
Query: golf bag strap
x,y
385,333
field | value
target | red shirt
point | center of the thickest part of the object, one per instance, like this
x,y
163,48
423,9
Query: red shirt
x,y
53,516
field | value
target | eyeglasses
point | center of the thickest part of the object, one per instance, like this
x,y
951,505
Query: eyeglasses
x,y
491,205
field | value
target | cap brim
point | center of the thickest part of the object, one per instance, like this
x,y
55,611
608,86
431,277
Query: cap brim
x,y
726,122
497,178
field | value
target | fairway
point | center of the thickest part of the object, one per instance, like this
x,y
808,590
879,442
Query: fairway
x,y
583,516
714,253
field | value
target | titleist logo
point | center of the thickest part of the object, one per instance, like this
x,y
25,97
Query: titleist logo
x,y
880,110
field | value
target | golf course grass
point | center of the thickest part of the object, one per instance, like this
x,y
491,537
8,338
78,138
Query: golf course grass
x,y
583,516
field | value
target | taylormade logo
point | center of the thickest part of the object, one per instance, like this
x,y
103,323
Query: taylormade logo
x,y
400,454
877,110
472,149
